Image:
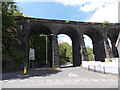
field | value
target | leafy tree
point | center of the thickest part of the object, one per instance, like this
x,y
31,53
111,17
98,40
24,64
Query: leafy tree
x,y
10,31
39,44
65,52
69,52
90,52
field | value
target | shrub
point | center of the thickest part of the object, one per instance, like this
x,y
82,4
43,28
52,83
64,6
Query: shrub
x,y
106,23
62,61
18,56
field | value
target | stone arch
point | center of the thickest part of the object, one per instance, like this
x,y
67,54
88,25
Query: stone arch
x,y
37,28
75,37
112,34
98,43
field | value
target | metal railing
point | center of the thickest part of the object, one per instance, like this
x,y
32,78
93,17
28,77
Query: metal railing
x,y
103,69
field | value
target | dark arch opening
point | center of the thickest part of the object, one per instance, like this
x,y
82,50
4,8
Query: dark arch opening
x,y
39,44
74,35
98,43
65,50
113,35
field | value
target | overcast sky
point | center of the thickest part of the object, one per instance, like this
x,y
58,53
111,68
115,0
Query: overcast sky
x,y
76,10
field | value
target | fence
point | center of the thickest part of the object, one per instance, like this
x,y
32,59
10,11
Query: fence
x,y
103,67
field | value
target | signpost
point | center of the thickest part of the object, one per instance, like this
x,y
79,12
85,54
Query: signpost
x,y
32,56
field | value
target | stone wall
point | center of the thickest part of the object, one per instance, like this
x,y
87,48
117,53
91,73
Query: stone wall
x,y
11,65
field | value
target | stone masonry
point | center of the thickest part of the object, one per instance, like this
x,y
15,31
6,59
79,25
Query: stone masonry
x,y
98,32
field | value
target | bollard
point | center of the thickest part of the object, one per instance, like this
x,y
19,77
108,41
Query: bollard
x,y
119,71
94,69
88,68
25,70
104,70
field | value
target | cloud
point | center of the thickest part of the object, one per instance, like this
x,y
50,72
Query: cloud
x,y
32,0
104,10
64,38
107,13
95,5
88,41
72,2
87,5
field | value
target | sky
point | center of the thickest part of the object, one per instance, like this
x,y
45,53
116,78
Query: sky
x,y
75,10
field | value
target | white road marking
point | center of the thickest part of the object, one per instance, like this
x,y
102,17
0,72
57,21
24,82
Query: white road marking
x,y
85,80
67,80
103,80
76,80
58,80
5,80
94,80
21,80
72,74
112,79
10,81
49,80
40,80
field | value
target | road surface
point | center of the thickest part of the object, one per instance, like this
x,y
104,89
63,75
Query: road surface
x,y
69,77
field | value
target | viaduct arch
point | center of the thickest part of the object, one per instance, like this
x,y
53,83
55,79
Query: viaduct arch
x,y
98,32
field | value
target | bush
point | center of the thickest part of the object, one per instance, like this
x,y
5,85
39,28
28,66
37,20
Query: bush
x,y
18,56
62,61
106,23
108,59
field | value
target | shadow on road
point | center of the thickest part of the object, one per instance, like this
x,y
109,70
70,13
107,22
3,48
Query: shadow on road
x,y
66,66
30,73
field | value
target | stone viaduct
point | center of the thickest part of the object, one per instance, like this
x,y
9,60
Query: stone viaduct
x,y
98,32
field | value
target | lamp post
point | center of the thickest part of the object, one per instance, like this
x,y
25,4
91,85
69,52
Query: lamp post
x,y
46,47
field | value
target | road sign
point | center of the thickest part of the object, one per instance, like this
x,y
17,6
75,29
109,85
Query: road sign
x,y
32,54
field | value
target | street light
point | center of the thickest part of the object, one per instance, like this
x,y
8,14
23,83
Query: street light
x,y
46,47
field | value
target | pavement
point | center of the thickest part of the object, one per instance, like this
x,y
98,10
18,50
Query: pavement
x,y
64,77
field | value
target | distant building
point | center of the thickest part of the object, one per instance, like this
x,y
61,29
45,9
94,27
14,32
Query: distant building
x,y
118,44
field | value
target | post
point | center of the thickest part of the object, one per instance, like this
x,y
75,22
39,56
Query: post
x,y
88,68
46,49
25,70
46,52
104,70
119,71
94,69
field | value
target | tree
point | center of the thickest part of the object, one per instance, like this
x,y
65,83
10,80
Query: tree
x,y
90,52
10,31
69,52
65,52
39,44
